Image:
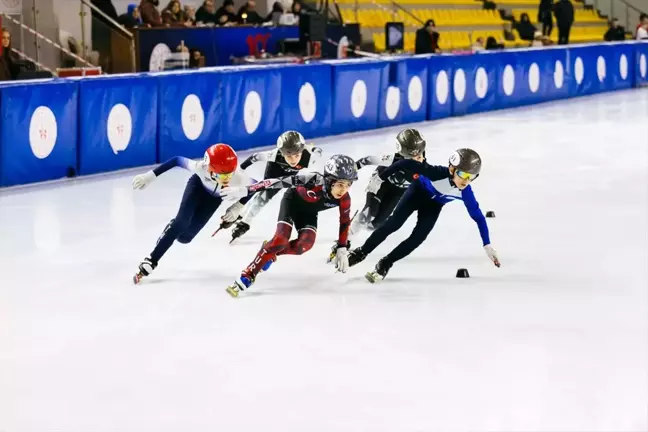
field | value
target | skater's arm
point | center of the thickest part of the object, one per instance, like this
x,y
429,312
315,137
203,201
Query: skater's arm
x,y
257,157
345,220
285,182
476,214
315,152
177,161
382,160
433,172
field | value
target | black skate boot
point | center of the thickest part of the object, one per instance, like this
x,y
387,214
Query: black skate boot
x,y
381,270
356,256
146,267
240,229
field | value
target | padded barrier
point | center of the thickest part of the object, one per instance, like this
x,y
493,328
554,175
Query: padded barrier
x,y
50,128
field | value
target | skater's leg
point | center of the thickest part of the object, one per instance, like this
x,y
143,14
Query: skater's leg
x,y
403,210
252,208
203,213
427,217
387,205
306,225
190,201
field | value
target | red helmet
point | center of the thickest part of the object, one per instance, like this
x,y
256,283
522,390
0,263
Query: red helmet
x,y
221,159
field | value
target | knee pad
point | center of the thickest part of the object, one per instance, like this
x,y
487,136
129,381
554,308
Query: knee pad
x,y
305,241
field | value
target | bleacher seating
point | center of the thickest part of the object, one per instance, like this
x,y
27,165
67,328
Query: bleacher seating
x,y
451,40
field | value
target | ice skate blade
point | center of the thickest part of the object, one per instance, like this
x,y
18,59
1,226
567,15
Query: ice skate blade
x,y
233,290
137,278
373,277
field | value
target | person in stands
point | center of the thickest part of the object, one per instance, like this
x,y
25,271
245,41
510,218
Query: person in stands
x,y
173,16
8,65
615,32
150,13
545,16
427,39
225,14
564,12
642,31
132,18
525,29
247,14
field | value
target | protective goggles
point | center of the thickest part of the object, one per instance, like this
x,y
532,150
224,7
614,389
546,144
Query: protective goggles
x,y
222,177
466,175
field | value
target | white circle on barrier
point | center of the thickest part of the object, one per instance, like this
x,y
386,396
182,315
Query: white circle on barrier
x,y
415,93
119,128
358,98
460,85
252,111
160,53
43,131
192,117
559,74
600,68
534,78
623,66
442,87
307,102
642,65
392,102
481,83
579,70
508,80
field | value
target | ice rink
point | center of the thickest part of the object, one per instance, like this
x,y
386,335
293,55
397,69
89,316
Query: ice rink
x,y
554,340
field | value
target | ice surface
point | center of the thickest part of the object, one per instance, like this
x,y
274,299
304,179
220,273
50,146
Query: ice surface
x,y
554,340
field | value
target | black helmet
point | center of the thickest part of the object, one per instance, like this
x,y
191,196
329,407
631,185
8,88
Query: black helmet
x,y
410,143
340,167
466,160
290,143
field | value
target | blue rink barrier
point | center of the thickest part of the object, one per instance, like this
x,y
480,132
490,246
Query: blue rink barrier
x,y
49,128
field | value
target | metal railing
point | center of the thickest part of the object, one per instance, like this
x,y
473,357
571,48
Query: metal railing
x,y
626,13
41,37
24,56
109,38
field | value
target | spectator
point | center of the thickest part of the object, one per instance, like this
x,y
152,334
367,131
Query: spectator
x,y
132,18
247,14
190,14
641,18
173,16
427,39
478,45
150,13
225,14
196,59
492,44
508,32
206,14
8,65
564,11
642,31
297,8
615,32
545,16
275,14
525,29
107,8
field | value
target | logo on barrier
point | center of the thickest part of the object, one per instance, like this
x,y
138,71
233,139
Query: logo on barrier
x,y
120,128
307,102
623,66
252,110
600,68
559,74
481,83
392,102
579,70
415,93
160,53
358,98
253,42
42,132
534,78
508,80
442,87
192,117
460,85
642,65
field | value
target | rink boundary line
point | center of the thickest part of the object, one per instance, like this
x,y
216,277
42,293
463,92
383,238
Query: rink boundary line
x,y
324,140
